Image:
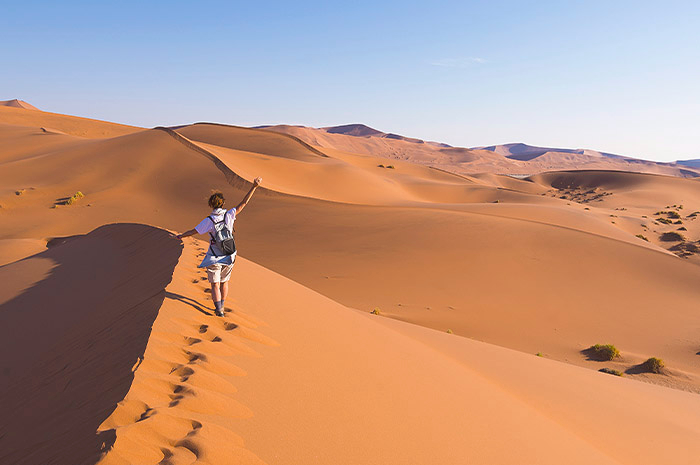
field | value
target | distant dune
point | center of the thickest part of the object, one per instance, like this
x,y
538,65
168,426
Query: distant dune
x,y
516,158
692,163
469,276
17,104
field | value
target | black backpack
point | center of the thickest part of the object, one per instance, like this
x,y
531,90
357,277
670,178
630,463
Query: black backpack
x,y
222,238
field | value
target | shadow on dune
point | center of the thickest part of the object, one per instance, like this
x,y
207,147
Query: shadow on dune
x,y
191,302
68,343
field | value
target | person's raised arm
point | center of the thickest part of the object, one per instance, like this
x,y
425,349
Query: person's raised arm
x,y
247,197
189,233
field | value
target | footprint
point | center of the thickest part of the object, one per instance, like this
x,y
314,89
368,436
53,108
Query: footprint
x,y
190,341
194,357
203,329
184,372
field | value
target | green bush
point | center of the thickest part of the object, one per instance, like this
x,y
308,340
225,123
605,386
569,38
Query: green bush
x,y
74,198
605,351
654,365
672,237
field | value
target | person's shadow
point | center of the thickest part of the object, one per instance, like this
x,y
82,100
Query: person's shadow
x,y
191,302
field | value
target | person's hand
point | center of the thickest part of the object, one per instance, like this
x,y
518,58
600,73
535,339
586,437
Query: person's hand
x,y
257,182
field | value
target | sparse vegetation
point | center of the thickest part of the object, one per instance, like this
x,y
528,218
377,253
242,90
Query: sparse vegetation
x,y
682,228
642,237
376,311
539,354
381,166
391,167
670,213
663,220
605,351
654,365
74,198
20,191
672,236
611,371
449,331
496,201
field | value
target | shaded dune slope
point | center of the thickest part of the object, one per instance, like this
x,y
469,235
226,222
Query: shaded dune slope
x,y
75,336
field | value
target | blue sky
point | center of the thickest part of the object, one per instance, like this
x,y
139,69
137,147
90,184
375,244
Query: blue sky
x,y
618,76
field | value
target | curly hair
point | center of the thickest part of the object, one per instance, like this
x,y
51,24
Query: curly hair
x,y
216,200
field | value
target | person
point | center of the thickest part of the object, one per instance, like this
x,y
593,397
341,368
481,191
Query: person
x,y
218,263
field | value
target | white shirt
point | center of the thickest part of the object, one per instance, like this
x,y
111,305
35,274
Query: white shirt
x,y
206,225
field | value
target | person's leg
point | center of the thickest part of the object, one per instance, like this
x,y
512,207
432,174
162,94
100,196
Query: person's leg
x,y
216,292
224,290
214,275
225,276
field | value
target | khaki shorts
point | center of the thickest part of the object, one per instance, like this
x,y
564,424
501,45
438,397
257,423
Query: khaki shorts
x,y
218,273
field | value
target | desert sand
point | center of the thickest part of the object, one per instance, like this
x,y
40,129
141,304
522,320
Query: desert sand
x,y
117,357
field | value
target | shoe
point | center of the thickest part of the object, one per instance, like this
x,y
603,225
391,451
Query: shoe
x,y
219,313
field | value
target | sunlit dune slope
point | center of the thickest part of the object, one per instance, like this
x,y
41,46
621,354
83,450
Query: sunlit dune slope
x,y
364,389
73,125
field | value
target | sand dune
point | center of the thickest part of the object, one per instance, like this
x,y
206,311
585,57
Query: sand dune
x,y
73,125
17,104
518,158
255,388
548,264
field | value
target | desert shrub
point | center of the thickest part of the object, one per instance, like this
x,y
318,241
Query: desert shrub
x,y
610,371
654,365
678,222
664,221
672,237
449,331
682,228
376,311
20,192
391,167
74,198
642,237
539,354
381,166
605,351
670,213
